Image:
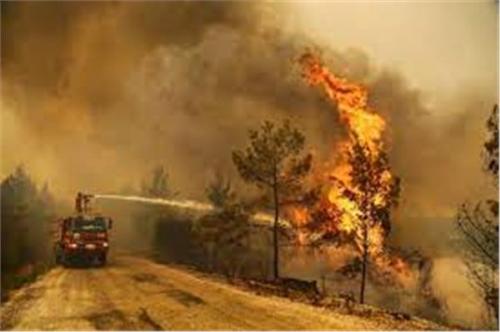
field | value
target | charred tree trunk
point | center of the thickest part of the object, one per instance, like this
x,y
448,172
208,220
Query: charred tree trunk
x,y
364,263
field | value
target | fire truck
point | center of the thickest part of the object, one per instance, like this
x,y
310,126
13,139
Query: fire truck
x,y
82,237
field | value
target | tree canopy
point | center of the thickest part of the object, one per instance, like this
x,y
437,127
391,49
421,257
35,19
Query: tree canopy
x,y
274,162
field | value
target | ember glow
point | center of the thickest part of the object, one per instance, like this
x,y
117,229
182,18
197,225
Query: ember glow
x,y
365,128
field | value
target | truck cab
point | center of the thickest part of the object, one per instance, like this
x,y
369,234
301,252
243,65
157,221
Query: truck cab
x,y
82,238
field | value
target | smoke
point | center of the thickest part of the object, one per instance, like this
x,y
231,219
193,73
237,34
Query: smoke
x,y
141,92
95,94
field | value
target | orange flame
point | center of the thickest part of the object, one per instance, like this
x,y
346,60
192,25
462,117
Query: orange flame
x,y
352,102
367,127
299,216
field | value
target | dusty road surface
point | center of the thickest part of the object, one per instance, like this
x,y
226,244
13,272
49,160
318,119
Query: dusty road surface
x,y
134,293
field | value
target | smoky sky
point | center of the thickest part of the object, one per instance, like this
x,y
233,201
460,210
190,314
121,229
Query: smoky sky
x,y
95,94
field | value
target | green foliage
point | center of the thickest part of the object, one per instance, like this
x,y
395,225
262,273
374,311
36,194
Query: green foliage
x,y
157,184
224,236
26,214
219,191
228,245
273,157
13,280
274,163
223,232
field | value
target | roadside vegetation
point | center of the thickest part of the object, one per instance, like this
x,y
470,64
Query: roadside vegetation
x,y
477,225
26,214
274,161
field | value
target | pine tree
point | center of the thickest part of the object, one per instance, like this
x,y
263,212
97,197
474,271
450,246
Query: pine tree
x,y
274,162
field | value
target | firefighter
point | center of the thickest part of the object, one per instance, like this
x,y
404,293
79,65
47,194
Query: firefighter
x,y
86,202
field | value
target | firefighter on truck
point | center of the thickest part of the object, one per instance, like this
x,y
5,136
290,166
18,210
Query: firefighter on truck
x,y
82,237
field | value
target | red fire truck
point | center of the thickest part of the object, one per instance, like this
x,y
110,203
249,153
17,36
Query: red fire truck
x,y
83,237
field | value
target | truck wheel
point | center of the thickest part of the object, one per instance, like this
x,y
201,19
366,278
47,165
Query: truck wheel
x,y
65,261
102,260
58,255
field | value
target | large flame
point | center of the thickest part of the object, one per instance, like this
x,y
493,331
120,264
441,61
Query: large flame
x,y
367,128
351,100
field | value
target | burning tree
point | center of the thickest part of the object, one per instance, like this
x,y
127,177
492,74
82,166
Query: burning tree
x,y
373,190
273,161
362,189
478,227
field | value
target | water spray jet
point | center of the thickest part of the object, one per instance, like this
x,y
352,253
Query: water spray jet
x,y
183,204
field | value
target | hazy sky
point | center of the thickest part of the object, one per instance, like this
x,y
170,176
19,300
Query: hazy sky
x,y
435,44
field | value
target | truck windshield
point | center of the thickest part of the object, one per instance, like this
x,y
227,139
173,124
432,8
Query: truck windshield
x,y
89,224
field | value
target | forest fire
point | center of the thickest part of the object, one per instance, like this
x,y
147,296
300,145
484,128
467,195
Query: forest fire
x,y
361,189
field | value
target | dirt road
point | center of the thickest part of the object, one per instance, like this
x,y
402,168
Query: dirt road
x,y
135,293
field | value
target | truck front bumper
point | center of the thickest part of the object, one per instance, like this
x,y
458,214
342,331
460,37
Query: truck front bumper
x,y
86,250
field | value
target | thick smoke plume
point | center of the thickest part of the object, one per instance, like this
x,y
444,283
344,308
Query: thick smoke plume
x,y
96,94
